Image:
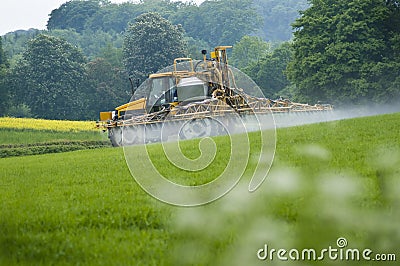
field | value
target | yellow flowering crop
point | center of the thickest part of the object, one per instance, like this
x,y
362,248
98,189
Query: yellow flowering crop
x,y
42,124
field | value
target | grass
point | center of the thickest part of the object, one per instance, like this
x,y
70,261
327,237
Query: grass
x,y
329,180
30,136
64,208
191,150
26,136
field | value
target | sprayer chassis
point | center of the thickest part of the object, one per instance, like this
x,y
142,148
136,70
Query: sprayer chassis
x,y
204,116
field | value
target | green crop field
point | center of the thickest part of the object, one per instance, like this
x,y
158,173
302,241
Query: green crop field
x,y
26,136
31,136
328,181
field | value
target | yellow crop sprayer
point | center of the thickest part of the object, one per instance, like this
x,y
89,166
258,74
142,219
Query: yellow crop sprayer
x,y
198,92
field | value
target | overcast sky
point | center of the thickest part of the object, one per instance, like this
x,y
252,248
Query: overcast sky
x,y
26,14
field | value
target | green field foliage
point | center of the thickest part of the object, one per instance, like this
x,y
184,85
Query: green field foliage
x,y
328,180
77,207
20,142
26,136
31,136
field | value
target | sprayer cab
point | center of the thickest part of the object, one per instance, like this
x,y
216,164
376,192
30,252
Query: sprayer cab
x,y
188,82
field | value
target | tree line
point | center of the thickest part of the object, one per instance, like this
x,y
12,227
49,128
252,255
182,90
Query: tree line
x,y
215,22
108,51
342,52
53,79
348,51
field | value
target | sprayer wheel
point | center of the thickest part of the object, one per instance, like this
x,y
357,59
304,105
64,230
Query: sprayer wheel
x,y
195,128
115,136
132,135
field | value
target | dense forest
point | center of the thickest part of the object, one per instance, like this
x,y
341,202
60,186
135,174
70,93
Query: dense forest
x,y
343,51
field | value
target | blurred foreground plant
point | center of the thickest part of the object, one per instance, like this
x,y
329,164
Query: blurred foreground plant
x,y
303,205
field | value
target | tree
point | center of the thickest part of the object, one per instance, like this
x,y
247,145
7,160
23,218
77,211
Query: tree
x,y
73,15
113,17
112,55
248,50
222,22
195,47
3,57
50,79
345,51
91,43
109,86
277,17
15,42
150,44
269,72
4,95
